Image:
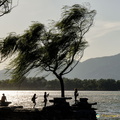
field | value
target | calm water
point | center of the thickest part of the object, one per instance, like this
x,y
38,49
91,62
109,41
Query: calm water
x,y
108,102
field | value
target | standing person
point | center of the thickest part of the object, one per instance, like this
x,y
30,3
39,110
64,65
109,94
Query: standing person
x,y
45,98
76,94
34,100
3,98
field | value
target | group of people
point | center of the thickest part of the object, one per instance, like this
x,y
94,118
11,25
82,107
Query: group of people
x,y
45,99
47,94
4,99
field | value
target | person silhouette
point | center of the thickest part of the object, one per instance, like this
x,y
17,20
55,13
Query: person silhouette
x,y
76,94
3,98
45,98
34,100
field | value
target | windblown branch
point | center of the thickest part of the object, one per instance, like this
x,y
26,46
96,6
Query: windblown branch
x,y
6,6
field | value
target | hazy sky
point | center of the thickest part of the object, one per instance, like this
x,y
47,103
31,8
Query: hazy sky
x,y
103,37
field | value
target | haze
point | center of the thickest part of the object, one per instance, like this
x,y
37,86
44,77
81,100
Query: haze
x,y
103,37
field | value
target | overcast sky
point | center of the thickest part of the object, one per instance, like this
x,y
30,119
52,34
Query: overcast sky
x,y
103,37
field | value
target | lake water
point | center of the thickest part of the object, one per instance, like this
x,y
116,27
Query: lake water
x,y
108,102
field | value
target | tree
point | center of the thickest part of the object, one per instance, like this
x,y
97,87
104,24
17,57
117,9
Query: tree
x,y
5,7
57,50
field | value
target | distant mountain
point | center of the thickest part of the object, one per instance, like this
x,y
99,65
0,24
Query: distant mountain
x,y
96,68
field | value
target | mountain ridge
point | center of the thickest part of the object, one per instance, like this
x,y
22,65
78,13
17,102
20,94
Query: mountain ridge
x,y
107,67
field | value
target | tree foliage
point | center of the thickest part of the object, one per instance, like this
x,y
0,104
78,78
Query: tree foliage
x,y
5,6
54,50
40,83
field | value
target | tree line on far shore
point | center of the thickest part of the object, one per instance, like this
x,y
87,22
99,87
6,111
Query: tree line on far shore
x,y
40,83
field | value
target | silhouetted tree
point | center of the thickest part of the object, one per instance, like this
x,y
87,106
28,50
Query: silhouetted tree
x,y
70,84
5,6
57,50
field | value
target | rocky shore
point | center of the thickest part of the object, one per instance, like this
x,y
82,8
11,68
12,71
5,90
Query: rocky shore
x,y
19,113
60,110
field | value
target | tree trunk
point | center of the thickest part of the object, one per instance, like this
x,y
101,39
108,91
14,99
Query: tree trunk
x,y
62,86
61,83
